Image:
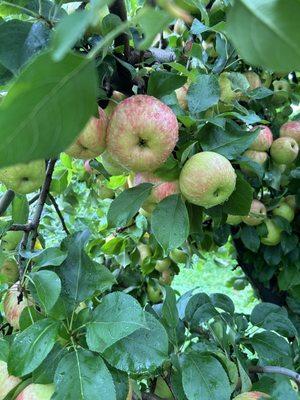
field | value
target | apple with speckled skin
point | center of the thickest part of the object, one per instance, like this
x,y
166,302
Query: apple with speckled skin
x,y
264,139
252,396
13,305
24,178
274,234
207,179
260,157
142,133
91,141
160,190
257,214
291,129
36,391
284,150
7,382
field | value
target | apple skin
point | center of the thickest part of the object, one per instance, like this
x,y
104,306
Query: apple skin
x,y
7,382
252,396
260,157
234,219
264,139
285,211
281,92
284,150
142,133
274,234
36,391
145,251
291,201
9,270
207,179
160,191
116,98
178,256
163,265
13,307
91,141
291,129
181,95
257,214
24,178
154,292
253,79
11,240
111,166
166,277
228,95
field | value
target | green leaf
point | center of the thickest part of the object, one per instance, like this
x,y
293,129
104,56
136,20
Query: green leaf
x,y
271,348
250,238
46,91
203,377
4,350
51,256
82,375
239,203
127,204
169,310
162,83
170,222
117,316
220,300
20,209
45,287
141,352
254,24
203,93
44,374
32,346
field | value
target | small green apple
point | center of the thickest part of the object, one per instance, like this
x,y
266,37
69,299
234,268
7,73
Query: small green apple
x,y
228,95
285,211
9,271
274,234
281,92
36,391
11,240
145,251
257,214
178,256
162,265
166,277
234,219
284,150
154,292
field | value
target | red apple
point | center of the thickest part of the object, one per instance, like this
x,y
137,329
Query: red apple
x,y
142,133
284,150
13,305
36,391
7,382
291,129
251,396
264,139
260,157
257,214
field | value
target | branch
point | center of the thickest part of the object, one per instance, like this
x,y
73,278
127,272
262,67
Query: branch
x,y
162,55
118,8
276,370
55,205
6,200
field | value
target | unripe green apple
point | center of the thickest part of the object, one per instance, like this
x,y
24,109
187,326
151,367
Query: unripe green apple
x,y
11,240
207,179
166,277
227,94
274,234
9,272
145,251
291,129
252,396
253,79
162,265
142,133
154,292
91,141
13,304
284,150
115,99
111,166
181,95
281,92
234,219
264,139
24,178
285,211
178,256
260,157
36,391
162,390
7,382
240,284
257,214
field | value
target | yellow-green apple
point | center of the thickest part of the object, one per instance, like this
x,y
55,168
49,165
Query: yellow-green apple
x,y
291,129
142,133
7,382
253,79
36,391
115,99
111,166
284,150
144,250
285,211
207,179
260,157
281,92
264,139
13,304
252,396
91,141
178,256
160,190
166,277
234,219
24,178
9,271
163,265
291,201
181,95
162,390
274,233
257,214
227,94
154,292
11,240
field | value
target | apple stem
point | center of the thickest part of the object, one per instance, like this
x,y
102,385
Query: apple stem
x,y
59,213
6,200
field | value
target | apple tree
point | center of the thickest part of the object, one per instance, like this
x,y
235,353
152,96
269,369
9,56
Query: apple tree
x,y
135,136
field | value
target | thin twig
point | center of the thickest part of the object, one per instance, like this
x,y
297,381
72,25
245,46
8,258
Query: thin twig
x,y
55,205
21,259
6,200
34,199
276,370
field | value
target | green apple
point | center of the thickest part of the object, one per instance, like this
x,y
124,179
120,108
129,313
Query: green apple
x,y
253,79
234,219
24,178
260,157
13,304
285,211
284,150
162,390
281,92
11,240
274,234
7,382
178,256
9,271
181,95
207,179
36,391
115,99
257,214
163,265
264,139
145,251
240,284
291,201
227,94
291,129
252,396
154,292
166,277
111,165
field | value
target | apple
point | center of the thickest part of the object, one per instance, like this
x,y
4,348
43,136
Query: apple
x,y
234,219
179,27
11,240
281,92
264,139
228,95
260,157
162,390
88,167
207,179
285,211
13,304
178,256
91,141
253,79
166,277
116,98
163,265
111,166
145,251
181,95
284,150
142,133
154,292
7,382
9,271
252,396
274,234
103,191
291,129
24,178
257,214
36,391
160,190
291,201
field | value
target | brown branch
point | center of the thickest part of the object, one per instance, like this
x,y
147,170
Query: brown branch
x,y
55,205
276,370
34,199
6,200
118,7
